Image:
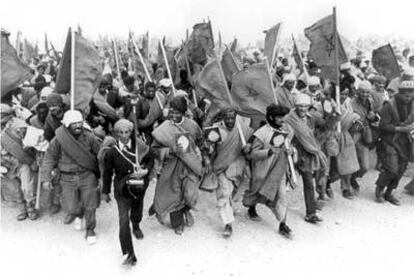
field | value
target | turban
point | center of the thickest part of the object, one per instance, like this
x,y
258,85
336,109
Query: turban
x,y
181,93
345,66
123,124
302,99
165,83
406,85
179,103
44,94
313,80
17,123
54,99
378,78
364,85
288,77
71,116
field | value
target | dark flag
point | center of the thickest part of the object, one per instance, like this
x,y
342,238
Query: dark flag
x,y
322,47
229,65
200,44
13,71
88,71
270,42
384,61
297,56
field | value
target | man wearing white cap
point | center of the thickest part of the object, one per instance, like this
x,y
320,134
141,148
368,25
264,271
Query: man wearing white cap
x,y
363,105
396,150
311,158
74,152
284,93
166,89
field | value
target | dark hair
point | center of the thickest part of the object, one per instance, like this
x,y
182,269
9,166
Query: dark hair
x,y
41,105
276,110
150,84
128,80
124,75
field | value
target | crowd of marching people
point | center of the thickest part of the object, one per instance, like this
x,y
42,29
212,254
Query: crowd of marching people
x,y
164,134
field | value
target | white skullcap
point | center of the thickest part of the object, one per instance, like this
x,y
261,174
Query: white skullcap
x,y
406,85
364,85
48,78
46,91
131,73
289,77
302,99
165,82
71,116
345,66
181,93
314,80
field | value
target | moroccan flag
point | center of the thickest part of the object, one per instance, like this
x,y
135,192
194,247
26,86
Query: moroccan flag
x,y
88,71
251,90
13,71
322,47
229,65
211,85
384,61
270,42
200,44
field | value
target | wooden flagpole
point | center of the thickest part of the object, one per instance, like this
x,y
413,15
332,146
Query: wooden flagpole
x,y
274,47
336,53
141,59
72,70
167,66
118,70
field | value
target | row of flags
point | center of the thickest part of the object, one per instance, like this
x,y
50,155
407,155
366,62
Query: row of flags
x,y
210,70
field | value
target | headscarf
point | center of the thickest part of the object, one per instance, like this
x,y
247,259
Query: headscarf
x,y
123,124
71,116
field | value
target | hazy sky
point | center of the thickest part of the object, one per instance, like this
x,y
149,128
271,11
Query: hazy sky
x,y
244,19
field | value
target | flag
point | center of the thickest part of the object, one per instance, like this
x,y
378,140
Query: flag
x,y
252,91
46,45
233,46
137,64
297,56
384,61
161,62
211,85
200,45
13,71
88,71
322,47
270,42
229,65
145,45
29,52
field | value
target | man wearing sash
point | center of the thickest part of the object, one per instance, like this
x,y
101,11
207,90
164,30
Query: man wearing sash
x,y
74,152
269,167
121,158
396,127
312,161
176,192
228,163
20,164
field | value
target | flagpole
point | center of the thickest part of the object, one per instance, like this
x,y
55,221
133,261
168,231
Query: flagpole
x,y
232,57
187,65
270,79
141,59
167,66
243,139
72,70
274,47
118,70
337,92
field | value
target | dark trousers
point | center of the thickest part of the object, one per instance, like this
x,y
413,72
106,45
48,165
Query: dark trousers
x,y
393,167
309,192
129,209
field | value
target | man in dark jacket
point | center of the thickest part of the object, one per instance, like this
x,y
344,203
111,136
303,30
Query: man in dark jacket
x,y
121,159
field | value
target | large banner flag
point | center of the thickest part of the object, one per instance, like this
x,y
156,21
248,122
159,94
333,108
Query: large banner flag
x,y
13,71
211,85
88,71
200,44
229,65
270,42
297,56
251,90
385,62
29,51
322,47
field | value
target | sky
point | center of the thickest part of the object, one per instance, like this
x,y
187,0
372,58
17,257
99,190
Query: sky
x,y
245,20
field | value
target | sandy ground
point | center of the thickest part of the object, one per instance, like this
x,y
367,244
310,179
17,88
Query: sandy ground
x,y
357,237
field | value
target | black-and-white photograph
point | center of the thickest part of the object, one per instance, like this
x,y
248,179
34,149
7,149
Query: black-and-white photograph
x,y
207,137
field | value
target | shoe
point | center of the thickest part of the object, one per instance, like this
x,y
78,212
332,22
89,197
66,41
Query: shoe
x,y
347,194
330,193
90,237
138,233
285,231
228,231
32,214
78,223
313,218
393,200
179,230
130,260
379,195
253,214
69,218
189,219
55,208
22,216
